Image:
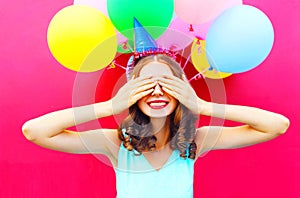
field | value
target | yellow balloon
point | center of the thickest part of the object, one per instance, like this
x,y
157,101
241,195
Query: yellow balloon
x,y
200,61
82,39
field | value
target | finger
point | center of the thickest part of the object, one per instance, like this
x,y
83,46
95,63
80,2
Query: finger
x,y
170,92
141,81
138,79
175,81
178,85
145,87
136,85
176,89
165,80
140,95
171,80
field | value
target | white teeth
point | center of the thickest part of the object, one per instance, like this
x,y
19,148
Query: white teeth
x,y
157,104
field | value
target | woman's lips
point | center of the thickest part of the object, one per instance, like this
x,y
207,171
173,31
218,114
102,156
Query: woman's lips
x,y
158,104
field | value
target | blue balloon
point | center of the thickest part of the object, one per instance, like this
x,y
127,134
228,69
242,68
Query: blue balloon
x,y
239,39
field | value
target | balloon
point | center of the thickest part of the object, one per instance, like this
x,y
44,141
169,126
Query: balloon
x,y
78,34
148,12
98,4
198,55
198,31
239,39
101,5
174,40
200,11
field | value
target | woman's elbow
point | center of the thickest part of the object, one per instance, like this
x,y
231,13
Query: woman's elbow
x,y
28,132
284,125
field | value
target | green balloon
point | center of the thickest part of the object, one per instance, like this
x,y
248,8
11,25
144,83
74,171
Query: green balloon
x,y
150,13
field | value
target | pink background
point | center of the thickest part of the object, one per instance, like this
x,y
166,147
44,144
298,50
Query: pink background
x,y
33,83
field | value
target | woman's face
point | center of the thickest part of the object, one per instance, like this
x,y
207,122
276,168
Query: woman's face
x,y
157,104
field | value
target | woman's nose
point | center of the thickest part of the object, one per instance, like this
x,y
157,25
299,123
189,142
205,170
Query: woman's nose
x,y
157,90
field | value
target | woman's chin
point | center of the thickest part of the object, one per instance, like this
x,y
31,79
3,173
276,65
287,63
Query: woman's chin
x,y
157,113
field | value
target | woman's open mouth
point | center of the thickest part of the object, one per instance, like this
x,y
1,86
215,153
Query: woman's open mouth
x,y
158,104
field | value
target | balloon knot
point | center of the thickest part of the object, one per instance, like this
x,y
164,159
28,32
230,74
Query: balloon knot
x,y
124,45
112,65
173,47
191,29
199,76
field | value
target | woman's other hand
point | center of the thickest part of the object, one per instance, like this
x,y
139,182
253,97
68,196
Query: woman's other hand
x,y
182,91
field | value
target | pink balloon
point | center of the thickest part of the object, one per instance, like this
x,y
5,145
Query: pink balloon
x,y
200,11
174,39
195,31
98,4
121,39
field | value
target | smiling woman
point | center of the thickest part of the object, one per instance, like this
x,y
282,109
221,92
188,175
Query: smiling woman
x,y
162,118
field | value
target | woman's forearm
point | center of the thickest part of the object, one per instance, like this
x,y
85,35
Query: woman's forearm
x,y
53,123
259,119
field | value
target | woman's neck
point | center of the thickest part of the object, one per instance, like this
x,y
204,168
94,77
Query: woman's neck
x,y
161,129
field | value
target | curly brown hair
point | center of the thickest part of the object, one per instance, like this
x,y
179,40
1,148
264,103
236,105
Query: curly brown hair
x,y
139,135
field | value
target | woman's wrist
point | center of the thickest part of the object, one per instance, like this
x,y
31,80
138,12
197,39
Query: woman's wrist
x,y
204,107
103,109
